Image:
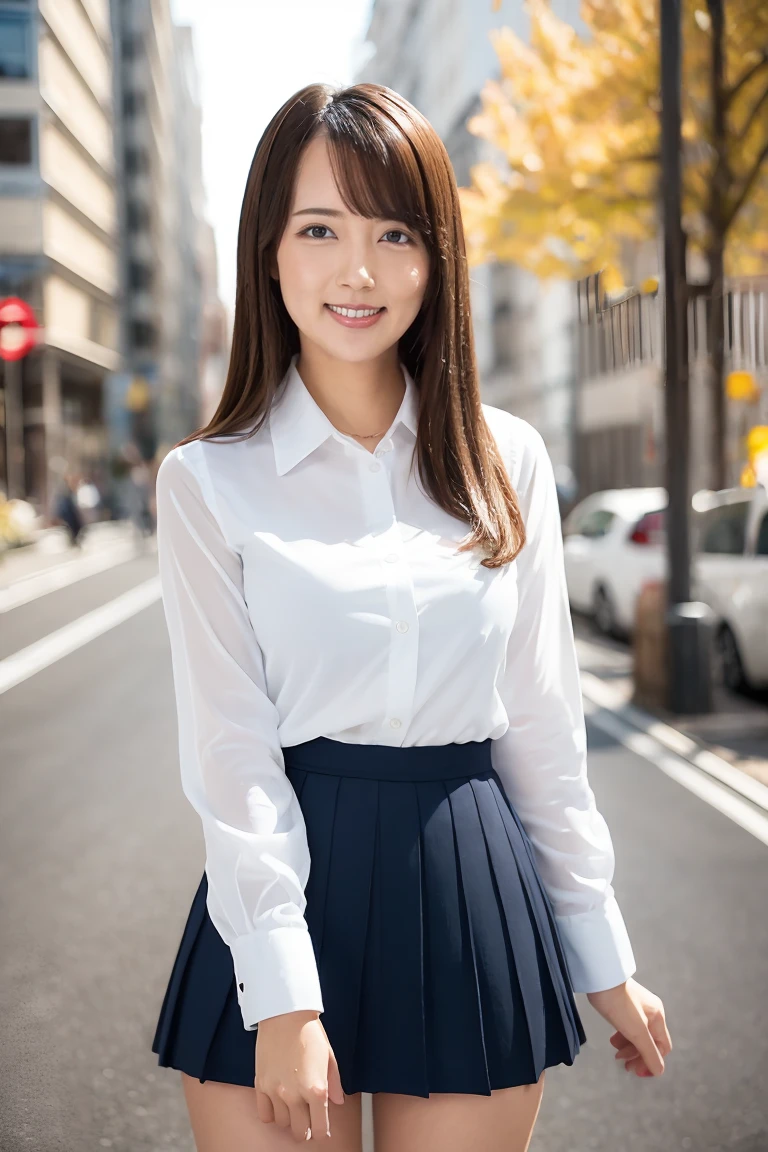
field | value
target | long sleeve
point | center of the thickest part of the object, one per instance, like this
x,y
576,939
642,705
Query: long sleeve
x,y
542,757
231,761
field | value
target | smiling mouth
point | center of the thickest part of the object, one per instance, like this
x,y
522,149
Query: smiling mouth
x,y
354,313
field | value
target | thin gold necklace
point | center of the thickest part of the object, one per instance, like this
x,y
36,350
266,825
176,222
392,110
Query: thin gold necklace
x,y
359,435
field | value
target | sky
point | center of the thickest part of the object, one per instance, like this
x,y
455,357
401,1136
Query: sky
x,y
252,55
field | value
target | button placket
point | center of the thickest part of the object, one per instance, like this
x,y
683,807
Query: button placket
x,y
401,602
403,641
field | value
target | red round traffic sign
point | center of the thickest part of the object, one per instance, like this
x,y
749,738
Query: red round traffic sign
x,y
18,328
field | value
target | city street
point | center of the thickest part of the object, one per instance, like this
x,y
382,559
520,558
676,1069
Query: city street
x,y
101,855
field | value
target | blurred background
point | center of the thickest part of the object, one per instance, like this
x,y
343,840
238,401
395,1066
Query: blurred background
x,y
613,173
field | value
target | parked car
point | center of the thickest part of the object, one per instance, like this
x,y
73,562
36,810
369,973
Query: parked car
x,y
730,573
614,542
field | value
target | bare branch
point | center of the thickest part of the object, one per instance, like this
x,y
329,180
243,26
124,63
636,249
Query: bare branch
x,y
750,119
745,79
747,187
642,158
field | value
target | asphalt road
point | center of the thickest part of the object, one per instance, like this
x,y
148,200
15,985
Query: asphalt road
x,y
100,855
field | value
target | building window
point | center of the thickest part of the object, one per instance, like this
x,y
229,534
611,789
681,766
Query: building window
x,y
142,335
134,103
139,276
131,45
137,215
15,45
136,161
16,141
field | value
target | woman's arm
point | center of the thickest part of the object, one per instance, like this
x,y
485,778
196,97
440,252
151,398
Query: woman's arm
x,y
232,767
542,757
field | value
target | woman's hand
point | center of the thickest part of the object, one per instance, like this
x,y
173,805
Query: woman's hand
x,y
641,1037
296,1074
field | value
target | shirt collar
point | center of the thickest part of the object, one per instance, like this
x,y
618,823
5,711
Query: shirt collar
x,y
298,424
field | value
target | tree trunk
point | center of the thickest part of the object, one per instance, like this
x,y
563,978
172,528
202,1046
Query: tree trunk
x,y
719,468
717,224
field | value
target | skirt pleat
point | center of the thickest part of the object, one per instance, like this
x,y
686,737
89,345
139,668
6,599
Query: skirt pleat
x,y
437,946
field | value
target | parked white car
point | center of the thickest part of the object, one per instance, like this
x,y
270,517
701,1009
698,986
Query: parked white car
x,y
730,573
614,542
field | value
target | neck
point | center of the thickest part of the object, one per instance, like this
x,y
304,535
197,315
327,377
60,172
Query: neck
x,y
359,398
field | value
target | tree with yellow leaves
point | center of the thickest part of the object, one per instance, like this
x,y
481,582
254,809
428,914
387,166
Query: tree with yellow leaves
x,y
577,123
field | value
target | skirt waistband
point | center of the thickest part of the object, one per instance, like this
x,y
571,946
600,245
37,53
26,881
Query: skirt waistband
x,y
386,762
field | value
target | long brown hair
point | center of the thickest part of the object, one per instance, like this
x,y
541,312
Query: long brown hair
x,y
388,163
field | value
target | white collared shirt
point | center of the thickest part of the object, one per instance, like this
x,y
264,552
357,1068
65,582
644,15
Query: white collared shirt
x,y
311,588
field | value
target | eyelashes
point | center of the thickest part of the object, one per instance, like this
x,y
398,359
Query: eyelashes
x,y
324,227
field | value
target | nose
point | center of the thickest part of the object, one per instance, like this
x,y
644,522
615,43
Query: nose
x,y
357,273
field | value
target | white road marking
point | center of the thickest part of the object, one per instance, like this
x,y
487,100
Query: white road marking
x,y
730,804
29,588
35,657
607,696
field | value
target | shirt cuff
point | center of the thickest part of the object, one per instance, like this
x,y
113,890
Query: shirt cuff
x,y
276,972
597,948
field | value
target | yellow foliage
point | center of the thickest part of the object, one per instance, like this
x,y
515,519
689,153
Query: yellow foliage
x,y
576,123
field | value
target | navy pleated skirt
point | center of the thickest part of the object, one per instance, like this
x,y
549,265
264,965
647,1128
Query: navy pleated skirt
x,y
440,963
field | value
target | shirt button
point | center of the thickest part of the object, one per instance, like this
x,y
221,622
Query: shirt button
x,y
375,467
402,625
391,557
394,722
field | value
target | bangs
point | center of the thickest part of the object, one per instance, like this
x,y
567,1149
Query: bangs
x,y
375,166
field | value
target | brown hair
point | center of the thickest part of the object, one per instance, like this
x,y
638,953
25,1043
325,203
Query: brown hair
x,y
388,163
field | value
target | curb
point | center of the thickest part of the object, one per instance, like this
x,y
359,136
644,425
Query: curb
x,y
701,757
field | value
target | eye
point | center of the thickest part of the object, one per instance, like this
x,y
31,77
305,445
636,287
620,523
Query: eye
x,y
315,228
399,232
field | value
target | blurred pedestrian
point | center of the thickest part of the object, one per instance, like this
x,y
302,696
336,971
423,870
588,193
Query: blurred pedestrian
x,y
133,481
66,509
375,673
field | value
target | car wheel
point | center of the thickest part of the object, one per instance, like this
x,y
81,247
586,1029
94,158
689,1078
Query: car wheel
x,y
729,665
603,611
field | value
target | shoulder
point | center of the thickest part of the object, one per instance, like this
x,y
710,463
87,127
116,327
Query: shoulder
x,y
184,481
180,471
521,445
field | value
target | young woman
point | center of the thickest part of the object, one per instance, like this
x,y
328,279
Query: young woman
x,y
380,721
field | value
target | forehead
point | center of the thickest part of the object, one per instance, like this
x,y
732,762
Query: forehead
x,y
314,178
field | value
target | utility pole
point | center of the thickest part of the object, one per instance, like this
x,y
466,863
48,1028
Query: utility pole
x,y
689,624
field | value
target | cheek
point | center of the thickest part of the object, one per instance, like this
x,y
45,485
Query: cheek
x,y
299,278
412,281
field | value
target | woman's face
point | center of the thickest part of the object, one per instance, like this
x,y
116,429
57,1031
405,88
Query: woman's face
x,y
329,257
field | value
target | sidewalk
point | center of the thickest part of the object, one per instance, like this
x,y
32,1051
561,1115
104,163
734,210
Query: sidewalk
x,y
736,732
51,562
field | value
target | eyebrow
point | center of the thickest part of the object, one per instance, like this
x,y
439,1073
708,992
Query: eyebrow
x,y
318,212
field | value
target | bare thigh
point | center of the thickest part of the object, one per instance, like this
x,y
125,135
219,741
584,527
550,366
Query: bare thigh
x,y
457,1122
224,1119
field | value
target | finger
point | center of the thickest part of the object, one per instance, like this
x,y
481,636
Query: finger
x,y
627,1053
335,1090
618,1039
318,1111
300,1119
660,1033
646,1046
264,1109
282,1112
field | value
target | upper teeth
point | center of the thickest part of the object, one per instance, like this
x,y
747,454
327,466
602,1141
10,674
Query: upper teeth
x,y
356,312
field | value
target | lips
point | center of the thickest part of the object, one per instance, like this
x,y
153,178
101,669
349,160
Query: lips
x,y
355,321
